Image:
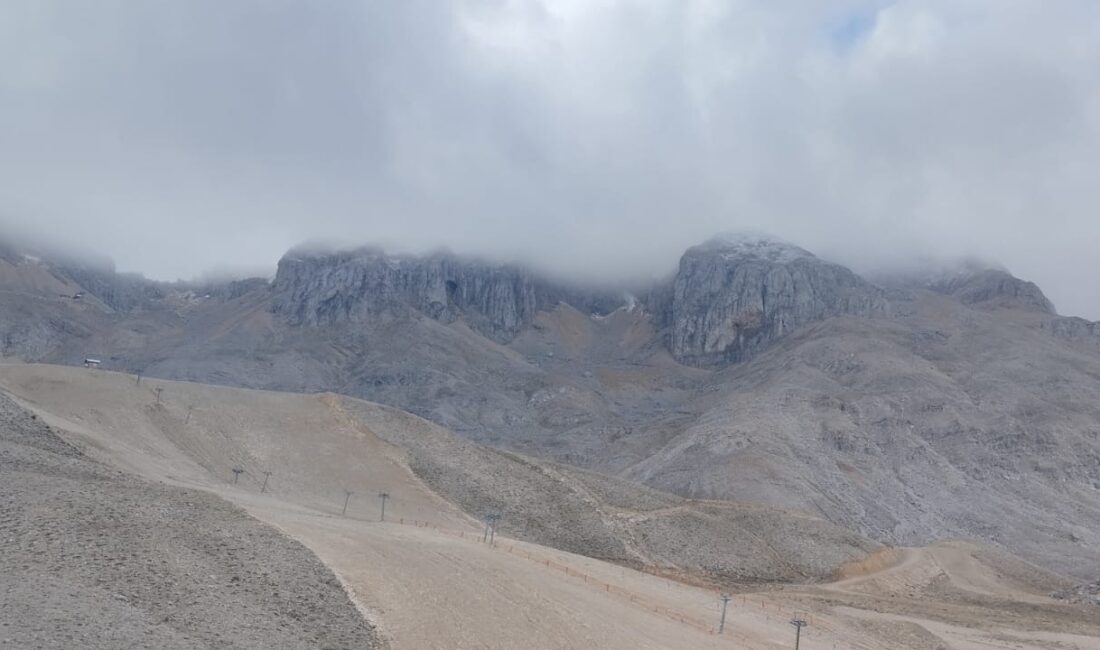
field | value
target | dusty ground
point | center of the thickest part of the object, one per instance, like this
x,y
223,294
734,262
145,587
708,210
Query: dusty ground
x,y
94,558
439,586
958,595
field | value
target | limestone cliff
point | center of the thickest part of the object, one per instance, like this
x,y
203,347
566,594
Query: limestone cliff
x,y
496,300
734,296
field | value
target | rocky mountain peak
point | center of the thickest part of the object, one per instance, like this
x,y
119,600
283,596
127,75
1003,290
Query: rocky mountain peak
x,y
975,283
734,295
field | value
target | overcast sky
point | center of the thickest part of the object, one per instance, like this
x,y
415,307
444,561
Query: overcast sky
x,y
586,136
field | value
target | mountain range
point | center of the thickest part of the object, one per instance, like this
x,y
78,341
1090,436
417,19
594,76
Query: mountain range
x,y
908,409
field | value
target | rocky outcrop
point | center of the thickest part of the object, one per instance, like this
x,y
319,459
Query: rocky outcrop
x,y
1087,594
987,287
1074,329
357,286
732,297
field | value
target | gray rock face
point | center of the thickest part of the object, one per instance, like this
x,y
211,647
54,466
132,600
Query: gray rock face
x,y
1074,329
993,288
496,300
733,297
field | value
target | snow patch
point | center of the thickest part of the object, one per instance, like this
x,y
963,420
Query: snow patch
x,y
734,246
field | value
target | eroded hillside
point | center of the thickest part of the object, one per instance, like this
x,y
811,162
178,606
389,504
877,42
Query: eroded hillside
x,y
97,558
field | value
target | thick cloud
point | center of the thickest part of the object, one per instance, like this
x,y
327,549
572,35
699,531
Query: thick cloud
x,y
587,136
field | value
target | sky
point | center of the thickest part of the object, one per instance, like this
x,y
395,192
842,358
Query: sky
x,y
591,138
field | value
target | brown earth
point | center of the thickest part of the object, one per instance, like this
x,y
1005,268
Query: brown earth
x,y
95,558
425,578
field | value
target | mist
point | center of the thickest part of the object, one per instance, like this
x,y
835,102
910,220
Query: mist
x,y
591,139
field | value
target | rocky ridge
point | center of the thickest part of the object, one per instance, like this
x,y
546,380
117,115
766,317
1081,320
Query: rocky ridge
x,y
730,299
356,286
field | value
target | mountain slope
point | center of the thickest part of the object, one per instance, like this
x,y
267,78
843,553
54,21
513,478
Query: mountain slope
x,y
428,556
757,373
316,447
884,425
95,558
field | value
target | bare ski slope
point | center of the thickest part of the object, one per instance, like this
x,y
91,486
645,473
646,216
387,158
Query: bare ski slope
x,y
424,576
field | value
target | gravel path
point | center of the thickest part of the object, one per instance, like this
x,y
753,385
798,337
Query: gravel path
x,y
93,558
